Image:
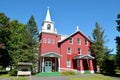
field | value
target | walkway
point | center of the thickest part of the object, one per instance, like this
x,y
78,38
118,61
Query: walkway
x,y
57,77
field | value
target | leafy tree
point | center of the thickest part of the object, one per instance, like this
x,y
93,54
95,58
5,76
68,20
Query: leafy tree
x,y
118,43
4,20
19,44
98,46
5,58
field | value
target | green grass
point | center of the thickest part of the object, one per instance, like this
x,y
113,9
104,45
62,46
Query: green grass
x,y
68,73
13,77
94,77
48,74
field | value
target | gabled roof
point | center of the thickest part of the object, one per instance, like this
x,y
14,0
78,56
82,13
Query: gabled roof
x,y
74,34
84,57
51,54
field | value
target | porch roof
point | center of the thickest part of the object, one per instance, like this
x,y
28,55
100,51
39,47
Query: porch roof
x,y
51,54
84,57
24,63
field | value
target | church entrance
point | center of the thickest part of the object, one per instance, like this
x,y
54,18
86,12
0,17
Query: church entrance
x,y
48,65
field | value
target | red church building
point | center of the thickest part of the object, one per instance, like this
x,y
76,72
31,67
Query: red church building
x,y
64,52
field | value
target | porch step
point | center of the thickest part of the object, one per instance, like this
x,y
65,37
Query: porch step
x,y
86,72
41,74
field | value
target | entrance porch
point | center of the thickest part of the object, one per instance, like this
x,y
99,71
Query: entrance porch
x,y
50,62
83,63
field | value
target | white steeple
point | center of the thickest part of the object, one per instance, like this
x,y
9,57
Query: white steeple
x,y
48,18
48,25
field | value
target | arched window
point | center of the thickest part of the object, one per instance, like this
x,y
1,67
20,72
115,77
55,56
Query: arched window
x,y
48,26
78,41
89,51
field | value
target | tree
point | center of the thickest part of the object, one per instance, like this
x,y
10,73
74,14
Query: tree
x,y
32,27
100,50
20,49
5,58
118,43
32,37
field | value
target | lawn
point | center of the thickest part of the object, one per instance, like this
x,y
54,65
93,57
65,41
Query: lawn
x,y
74,77
6,76
95,77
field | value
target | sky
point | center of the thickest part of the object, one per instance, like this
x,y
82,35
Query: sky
x,y
67,14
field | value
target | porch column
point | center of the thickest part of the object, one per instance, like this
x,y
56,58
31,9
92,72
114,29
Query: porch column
x,y
43,65
58,64
81,66
91,66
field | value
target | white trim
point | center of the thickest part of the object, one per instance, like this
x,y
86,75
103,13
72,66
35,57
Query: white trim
x,y
51,54
82,71
73,34
68,63
92,71
43,65
69,50
58,64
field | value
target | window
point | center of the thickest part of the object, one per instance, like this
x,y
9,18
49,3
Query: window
x,y
68,63
89,51
86,42
78,41
49,41
48,26
79,51
53,41
69,50
70,40
44,40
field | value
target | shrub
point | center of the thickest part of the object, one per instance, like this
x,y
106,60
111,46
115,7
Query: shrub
x,y
13,72
67,73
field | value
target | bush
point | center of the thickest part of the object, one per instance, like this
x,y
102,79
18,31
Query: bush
x,y
67,73
13,72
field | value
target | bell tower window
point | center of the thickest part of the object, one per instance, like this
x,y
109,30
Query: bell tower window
x,y
48,27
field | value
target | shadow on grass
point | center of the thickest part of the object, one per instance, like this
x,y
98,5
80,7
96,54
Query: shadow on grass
x,y
112,75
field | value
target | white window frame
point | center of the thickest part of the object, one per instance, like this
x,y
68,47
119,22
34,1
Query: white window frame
x,y
89,51
44,40
79,51
78,41
49,41
53,41
69,51
86,42
68,63
71,40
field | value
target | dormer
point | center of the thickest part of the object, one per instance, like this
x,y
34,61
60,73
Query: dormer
x,y
48,25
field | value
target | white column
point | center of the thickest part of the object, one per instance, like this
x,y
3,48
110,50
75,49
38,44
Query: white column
x,y
43,65
58,64
91,67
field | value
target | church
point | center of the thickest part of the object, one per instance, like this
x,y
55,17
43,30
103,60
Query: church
x,y
59,53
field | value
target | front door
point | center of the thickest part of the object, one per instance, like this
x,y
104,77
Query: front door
x,y
48,65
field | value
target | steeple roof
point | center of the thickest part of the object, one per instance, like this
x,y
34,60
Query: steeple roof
x,y
48,18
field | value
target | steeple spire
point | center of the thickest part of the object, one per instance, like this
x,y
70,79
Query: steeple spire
x,y
48,18
77,28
